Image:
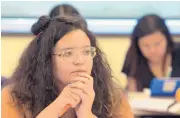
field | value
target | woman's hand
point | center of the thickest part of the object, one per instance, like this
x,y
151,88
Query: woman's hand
x,y
83,87
79,95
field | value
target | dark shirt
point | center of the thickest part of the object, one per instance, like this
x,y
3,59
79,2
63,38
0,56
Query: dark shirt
x,y
144,75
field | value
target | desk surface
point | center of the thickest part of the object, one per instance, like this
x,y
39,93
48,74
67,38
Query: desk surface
x,y
143,104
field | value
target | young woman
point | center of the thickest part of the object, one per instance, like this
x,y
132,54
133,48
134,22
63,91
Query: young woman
x,y
63,66
151,53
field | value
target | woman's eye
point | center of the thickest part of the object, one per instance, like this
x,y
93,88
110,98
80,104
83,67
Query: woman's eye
x,y
67,53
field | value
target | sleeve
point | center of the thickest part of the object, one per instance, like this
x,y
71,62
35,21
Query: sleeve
x,y
122,107
8,108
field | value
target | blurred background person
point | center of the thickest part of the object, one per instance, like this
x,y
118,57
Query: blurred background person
x,y
151,53
63,9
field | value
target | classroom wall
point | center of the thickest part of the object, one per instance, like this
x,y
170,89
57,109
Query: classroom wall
x,y
114,47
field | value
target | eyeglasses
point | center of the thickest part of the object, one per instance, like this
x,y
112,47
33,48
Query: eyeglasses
x,y
71,54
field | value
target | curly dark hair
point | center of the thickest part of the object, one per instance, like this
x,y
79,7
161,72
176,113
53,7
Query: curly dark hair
x,y
34,83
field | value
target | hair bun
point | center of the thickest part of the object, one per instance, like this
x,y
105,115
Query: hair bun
x,y
40,25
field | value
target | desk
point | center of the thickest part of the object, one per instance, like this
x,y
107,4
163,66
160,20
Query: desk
x,y
143,104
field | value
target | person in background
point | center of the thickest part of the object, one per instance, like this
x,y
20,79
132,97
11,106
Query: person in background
x,y
151,53
63,66
63,9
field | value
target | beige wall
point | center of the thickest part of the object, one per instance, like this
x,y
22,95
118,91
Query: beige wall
x,y
114,47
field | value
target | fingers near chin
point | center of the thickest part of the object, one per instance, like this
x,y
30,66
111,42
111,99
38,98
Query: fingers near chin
x,y
80,93
86,76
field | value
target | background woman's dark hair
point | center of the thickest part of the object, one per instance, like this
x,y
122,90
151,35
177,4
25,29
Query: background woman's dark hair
x,y
34,82
63,9
146,25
